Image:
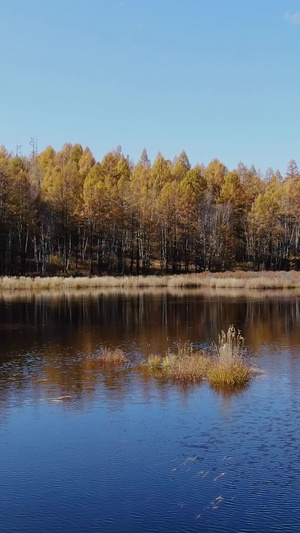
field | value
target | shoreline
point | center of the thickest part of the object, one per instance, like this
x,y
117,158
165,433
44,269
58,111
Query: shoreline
x,y
264,280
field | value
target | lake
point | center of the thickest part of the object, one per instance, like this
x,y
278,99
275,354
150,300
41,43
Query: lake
x,y
120,451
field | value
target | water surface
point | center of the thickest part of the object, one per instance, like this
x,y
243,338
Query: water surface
x,y
83,450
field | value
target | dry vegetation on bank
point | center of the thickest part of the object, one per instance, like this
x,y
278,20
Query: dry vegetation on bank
x,y
225,280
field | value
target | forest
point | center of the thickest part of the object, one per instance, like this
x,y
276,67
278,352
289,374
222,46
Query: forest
x,y
65,213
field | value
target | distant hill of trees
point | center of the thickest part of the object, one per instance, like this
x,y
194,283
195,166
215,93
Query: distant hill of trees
x,y
65,212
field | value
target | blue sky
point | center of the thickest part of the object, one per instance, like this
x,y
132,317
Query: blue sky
x,y
217,78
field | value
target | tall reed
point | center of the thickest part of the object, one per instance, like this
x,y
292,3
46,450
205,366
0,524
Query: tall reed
x,y
229,368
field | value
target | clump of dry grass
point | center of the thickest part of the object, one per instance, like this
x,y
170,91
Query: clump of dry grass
x,y
186,365
229,369
188,369
228,376
154,362
112,358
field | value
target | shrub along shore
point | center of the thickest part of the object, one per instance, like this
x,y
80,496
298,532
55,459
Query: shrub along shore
x,y
228,280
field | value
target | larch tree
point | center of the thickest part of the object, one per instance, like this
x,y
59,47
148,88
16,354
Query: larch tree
x,y
292,170
214,175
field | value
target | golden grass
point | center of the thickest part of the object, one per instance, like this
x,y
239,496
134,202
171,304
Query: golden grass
x,y
220,375
224,280
228,369
189,369
112,358
230,348
186,365
154,361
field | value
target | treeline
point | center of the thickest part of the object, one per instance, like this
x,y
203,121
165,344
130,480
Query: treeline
x,y
65,212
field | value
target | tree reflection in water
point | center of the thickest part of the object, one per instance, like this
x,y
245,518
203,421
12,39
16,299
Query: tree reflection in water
x,y
50,341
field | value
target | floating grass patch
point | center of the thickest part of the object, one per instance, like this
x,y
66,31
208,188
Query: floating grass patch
x,y
185,365
187,369
224,367
112,358
227,368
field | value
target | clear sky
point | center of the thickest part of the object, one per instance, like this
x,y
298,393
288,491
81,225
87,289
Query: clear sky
x,y
217,78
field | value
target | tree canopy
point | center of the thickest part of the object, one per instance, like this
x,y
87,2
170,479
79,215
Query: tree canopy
x,y
66,212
